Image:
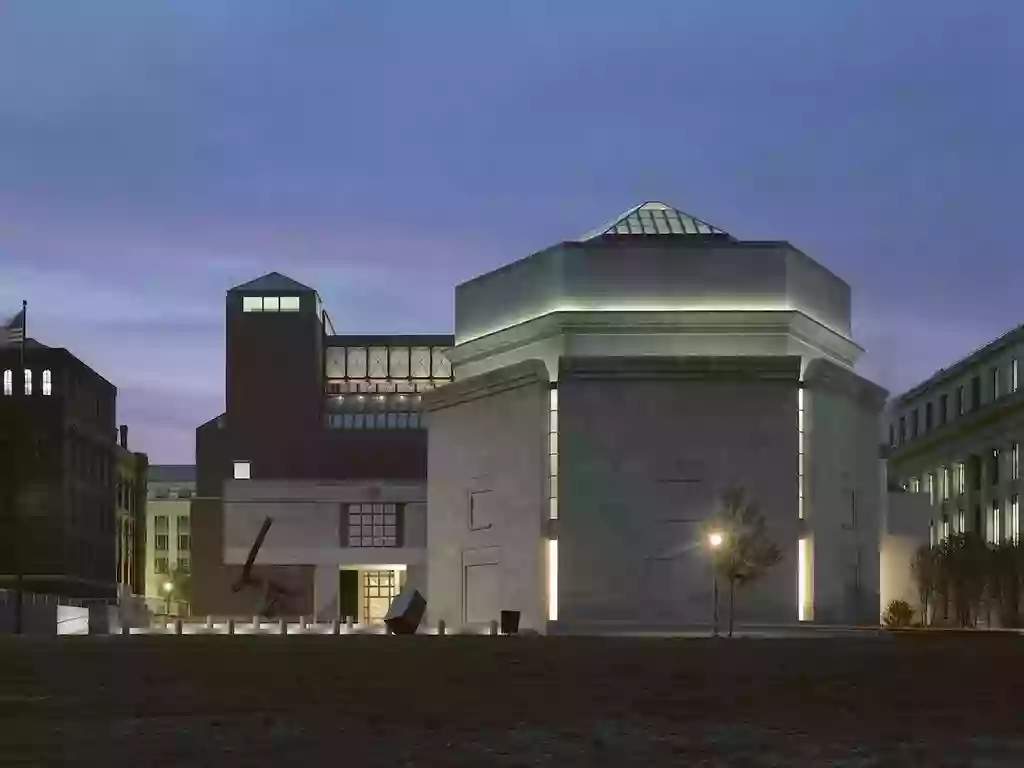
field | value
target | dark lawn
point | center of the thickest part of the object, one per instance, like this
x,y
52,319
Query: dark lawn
x,y
929,700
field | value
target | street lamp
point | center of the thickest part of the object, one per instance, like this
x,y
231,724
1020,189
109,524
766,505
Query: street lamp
x,y
168,588
715,540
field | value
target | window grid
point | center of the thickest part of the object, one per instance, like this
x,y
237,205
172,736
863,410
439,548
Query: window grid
x,y
386,420
373,525
961,521
160,523
1015,461
1013,375
995,384
377,586
161,542
271,303
28,381
944,483
184,542
958,473
160,566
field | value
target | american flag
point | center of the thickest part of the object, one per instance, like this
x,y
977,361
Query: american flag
x,y
14,329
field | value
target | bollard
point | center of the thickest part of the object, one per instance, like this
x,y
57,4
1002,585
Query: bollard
x,y
441,627
348,623
302,624
177,627
125,628
256,623
494,627
209,623
231,626
336,626
284,626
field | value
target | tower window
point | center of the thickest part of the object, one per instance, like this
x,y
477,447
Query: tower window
x,y
242,470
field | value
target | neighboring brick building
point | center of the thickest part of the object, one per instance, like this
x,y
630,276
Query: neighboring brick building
x,y
66,533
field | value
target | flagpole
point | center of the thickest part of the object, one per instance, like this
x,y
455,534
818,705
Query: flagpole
x,y
19,578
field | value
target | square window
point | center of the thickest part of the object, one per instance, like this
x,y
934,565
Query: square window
x,y
160,523
160,565
252,303
389,541
271,304
354,541
367,542
290,303
389,518
242,470
399,362
161,542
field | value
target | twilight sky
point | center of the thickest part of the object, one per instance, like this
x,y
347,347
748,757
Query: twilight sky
x,y
154,153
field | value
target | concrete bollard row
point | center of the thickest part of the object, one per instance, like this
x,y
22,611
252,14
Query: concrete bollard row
x,y
336,626
256,623
209,623
494,626
442,628
231,626
284,626
348,623
178,627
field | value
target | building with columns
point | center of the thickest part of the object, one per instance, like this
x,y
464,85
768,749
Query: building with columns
x,y
955,439
579,429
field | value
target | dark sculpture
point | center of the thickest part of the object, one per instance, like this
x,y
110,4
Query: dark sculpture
x,y
272,591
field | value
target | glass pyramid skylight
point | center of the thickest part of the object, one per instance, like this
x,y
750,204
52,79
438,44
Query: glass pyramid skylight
x,y
654,218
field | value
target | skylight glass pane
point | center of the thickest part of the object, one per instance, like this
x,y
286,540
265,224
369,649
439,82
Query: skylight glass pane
x,y
289,303
252,303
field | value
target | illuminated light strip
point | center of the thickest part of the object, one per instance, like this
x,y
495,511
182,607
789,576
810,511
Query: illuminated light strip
x,y
672,309
553,456
805,586
552,579
800,451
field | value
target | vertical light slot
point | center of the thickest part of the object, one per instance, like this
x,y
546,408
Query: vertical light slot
x,y
800,451
552,579
553,456
805,570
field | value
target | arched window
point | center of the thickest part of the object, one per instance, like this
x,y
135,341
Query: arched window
x,y
47,382
8,382
28,381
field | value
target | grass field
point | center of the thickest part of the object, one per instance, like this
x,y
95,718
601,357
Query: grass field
x,y
926,700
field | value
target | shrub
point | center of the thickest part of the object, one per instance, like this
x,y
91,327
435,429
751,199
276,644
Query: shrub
x,y
898,614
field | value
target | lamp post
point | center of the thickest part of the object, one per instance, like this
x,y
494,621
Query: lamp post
x,y
168,589
715,541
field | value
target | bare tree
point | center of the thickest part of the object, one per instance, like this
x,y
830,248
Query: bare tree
x,y
746,551
924,568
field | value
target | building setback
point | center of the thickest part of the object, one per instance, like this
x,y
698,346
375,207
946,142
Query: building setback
x,y
59,415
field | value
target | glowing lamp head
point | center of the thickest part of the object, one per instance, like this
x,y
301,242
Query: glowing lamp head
x,y
168,586
716,539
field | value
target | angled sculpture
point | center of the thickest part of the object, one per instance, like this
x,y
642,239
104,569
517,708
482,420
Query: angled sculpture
x,y
272,591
